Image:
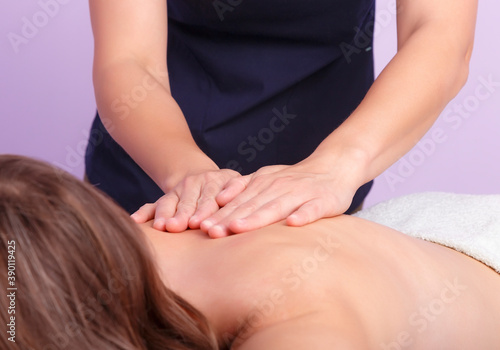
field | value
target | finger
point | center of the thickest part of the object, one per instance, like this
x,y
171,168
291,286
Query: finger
x,y
186,207
229,214
251,199
274,211
228,210
308,212
206,206
269,169
233,188
239,184
165,209
218,231
144,213
221,213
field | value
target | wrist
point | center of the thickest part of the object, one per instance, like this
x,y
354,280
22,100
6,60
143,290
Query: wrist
x,y
350,162
189,164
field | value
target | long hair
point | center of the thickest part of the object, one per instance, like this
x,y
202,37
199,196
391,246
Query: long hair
x,y
78,273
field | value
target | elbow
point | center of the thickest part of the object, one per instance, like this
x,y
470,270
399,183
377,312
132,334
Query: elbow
x,y
462,75
461,71
465,65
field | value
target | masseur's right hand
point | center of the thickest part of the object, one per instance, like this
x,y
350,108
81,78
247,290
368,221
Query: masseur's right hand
x,y
187,203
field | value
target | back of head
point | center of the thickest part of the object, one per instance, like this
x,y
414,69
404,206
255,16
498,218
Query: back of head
x,y
80,274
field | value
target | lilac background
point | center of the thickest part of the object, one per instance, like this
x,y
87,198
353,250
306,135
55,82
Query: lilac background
x,y
47,101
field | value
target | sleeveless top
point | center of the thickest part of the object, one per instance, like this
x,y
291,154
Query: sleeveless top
x,y
260,82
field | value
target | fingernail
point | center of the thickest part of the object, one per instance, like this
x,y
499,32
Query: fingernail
x,y
293,220
194,222
240,222
217,230
207,224
159,223
171,221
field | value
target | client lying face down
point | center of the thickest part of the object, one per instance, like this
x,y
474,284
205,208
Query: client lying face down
x,y
84,276
87,277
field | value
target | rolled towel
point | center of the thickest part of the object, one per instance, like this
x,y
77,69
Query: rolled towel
x,y
467,223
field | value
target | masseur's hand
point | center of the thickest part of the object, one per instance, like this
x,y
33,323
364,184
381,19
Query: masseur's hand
x,y
189,202
318,187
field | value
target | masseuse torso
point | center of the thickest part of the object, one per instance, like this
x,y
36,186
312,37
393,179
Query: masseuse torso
x,y
260,83
337,281
196,93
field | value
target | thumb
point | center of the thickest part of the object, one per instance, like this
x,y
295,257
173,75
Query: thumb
x,y
314,210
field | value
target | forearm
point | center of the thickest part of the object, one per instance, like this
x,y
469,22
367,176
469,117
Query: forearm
x,y
138,110
404,101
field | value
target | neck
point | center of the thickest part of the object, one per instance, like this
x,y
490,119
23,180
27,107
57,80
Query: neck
x,y
186,266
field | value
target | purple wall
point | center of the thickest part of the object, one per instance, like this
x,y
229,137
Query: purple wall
x,y
47,99
460,153
46,92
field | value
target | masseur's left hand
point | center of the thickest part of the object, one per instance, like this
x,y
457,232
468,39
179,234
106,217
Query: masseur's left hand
x,y
318,187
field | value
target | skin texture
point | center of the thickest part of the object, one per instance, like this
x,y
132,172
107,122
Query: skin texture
x,y
435,42
342,283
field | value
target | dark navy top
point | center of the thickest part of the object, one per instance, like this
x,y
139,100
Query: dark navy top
x,y
260,82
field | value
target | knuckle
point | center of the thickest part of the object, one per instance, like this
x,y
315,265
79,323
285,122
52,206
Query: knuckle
x,y
314,208
335,202
212,188
213,175
234,204
259,180
146,206
336,205
220,214
264,169
270,169
236,182
275,206
208,176
250,207
166,199
207,201
231,173
282,180
216,179
230,206
189,181
187,203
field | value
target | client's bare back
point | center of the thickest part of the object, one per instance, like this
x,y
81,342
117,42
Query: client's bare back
x,y
341,281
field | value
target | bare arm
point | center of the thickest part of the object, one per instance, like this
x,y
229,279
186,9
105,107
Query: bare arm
x,y
134,100
130,59
435,41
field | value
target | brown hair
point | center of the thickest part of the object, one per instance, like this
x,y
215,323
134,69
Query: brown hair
x,y
84,278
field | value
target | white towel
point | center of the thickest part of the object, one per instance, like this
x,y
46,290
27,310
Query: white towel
x,y
467,223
